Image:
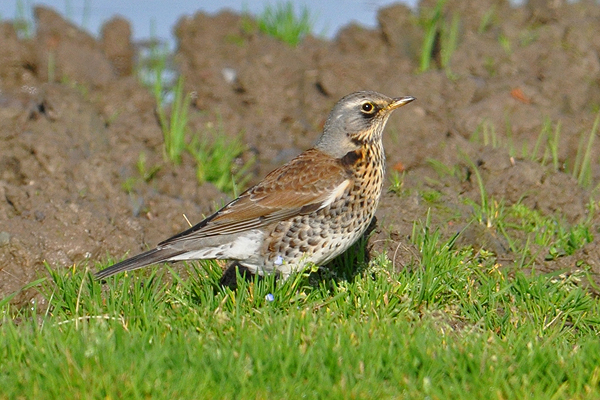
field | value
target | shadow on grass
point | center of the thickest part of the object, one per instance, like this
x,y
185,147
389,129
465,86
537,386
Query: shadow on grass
x,y
345,267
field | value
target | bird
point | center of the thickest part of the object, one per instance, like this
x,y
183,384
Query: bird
x,y
309,210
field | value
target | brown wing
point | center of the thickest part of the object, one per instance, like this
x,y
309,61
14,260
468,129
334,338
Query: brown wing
x,y
305,184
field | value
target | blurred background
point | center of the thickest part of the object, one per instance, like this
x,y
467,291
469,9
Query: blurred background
x,y
156,18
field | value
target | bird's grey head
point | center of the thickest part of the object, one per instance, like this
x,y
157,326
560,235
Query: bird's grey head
x,y
357,119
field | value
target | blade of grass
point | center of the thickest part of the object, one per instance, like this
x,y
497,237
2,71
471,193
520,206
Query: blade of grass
x,y
583,172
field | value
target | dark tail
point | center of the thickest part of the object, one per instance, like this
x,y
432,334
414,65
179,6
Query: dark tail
x,y
141,260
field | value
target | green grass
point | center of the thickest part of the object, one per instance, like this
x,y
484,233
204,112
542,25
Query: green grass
x,y
282,22
485,133
452,325
529,235
216,156
145,171
488,211
522,226
487,20
23,21
439,37
431,31
549,140
396,183
545,149
550,232
145,174
582,170
174,127
505,44
172,102
449,40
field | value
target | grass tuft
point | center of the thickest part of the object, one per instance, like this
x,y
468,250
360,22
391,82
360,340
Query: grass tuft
x,y
440,40
487,20
545,150
582,170
550,142
396,183
23,21
282,22
174,128
217,158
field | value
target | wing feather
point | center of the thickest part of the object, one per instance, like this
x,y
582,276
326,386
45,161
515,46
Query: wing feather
x,y
307,183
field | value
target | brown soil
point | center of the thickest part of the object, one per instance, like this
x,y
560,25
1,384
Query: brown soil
x,y
67,148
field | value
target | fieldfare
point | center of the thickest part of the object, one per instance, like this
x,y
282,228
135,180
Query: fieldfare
x,y
309,210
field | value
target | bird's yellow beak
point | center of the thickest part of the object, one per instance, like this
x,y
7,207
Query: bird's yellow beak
x,y
399,102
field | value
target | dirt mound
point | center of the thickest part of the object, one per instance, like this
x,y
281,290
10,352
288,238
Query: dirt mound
x,y
74,121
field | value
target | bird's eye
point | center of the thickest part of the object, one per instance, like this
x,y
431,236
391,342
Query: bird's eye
x,y
367,108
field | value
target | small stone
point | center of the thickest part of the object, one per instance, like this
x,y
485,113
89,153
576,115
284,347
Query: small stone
x,y
4,238
229,74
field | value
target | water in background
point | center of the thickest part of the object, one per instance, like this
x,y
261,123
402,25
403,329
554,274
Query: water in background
x,y
157,18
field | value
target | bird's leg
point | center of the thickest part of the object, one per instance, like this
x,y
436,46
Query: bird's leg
x,y
229,278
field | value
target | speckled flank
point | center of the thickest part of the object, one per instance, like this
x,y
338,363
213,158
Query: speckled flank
x,y
320,236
